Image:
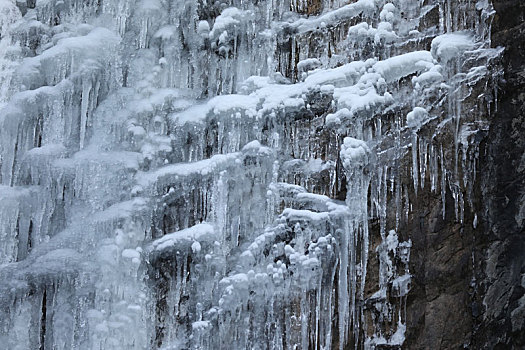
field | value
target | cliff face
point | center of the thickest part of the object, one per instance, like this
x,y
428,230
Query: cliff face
x,y
264,175
471,287
504,267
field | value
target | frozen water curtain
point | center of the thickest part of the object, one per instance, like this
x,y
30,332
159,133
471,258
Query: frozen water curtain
x,y
231,174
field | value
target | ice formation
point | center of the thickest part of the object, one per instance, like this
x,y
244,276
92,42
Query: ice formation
x,y
205,175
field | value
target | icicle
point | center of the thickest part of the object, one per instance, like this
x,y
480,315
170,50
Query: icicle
x,y
443,182
423,162
415,166
86,89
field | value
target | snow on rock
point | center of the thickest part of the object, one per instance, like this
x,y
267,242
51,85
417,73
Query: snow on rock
x,y
227,19
417,117
308,64
190,236
294,214
334,17
394,68
451,45
354,153
382,34
360,99
122,210
202,167
58,62
428,78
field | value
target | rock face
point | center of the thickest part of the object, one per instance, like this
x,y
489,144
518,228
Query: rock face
x,y
470,288
504,264
316,174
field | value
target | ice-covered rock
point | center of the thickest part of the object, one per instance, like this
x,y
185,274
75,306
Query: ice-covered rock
x,y
228,174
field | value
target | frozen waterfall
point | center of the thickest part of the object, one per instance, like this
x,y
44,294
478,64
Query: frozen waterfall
x,y
229,174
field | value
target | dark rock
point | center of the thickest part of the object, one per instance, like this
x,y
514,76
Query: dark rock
x,y
469,283
502,323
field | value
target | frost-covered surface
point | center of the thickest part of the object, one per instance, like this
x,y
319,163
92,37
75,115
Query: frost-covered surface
x,y
203,175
